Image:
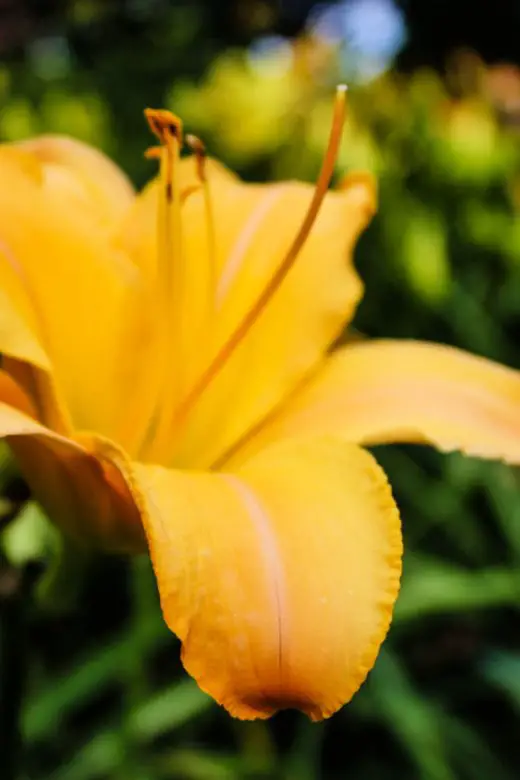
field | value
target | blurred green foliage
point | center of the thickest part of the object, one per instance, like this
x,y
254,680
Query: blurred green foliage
x,y
104,694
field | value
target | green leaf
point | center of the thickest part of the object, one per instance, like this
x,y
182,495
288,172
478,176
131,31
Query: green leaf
x,y
431,586
414,720
46,709
168,709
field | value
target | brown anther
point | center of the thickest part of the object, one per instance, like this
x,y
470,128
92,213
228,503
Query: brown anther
x,y
164,124
199,150
196,145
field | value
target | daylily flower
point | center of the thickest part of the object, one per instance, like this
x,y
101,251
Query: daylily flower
x,y
166,379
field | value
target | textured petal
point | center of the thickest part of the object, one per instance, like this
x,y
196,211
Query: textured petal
x,y
84,295
82,492
279,578
389,391
87,175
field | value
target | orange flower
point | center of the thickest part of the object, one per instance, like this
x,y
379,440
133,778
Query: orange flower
x,y
166,379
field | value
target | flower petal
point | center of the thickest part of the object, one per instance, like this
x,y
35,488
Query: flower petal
x,y
21,345
85,173
84,295
280,578
20,335
84,494
389,391
13,395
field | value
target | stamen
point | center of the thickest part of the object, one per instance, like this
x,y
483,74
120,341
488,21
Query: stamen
x,y
168,129
169,280
164,124
287,263
199,150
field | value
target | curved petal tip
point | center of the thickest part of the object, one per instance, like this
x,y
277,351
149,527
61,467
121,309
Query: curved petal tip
x,y
279,579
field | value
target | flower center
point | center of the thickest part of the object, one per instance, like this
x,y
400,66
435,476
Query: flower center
x,y
178,400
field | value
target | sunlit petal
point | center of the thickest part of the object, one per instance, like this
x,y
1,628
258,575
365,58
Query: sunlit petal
x,y
388,391
85,175
279,578
84,295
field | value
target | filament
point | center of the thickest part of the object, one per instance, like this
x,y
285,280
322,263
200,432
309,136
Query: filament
x,y
199,150
169,274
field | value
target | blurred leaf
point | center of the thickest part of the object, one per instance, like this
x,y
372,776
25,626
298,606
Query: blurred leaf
x,y
470,753
107,750
168,709
431,586
424,254
503,488
415,721
60,586
469,145
503,670
17,120
47,708
29,537
201,765
303,759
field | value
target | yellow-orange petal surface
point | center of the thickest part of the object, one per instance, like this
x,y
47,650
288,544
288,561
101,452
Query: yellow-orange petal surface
x,y
20,329
13,395
76,300
85,175
83,493
278,578
378,392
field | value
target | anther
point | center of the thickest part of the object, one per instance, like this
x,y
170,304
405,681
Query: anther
x,y
199,150
164,125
